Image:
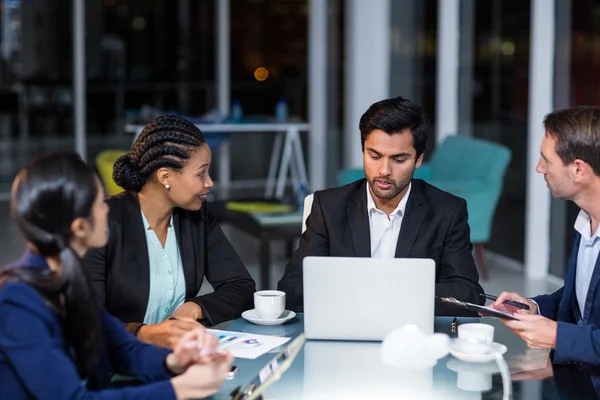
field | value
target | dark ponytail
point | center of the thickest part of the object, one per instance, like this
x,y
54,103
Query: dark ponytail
x,y
81,309
166,141
47,196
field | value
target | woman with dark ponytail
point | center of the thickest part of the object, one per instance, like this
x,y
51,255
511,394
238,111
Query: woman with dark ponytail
x,y
164,241
56,340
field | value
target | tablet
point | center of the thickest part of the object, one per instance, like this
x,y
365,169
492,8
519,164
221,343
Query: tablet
x,y
270,372
483,310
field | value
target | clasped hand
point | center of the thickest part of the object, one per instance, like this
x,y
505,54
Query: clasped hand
x,y
201,366
197,346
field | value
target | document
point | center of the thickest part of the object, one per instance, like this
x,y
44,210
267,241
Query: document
x,y
247,345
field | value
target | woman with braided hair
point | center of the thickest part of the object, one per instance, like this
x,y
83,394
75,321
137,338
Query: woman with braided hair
x,y
56,340
164,241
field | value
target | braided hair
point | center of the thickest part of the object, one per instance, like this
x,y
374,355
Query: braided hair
x,y
167,141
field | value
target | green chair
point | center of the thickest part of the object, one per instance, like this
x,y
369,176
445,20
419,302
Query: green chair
x,y
347,176
104,163
473,169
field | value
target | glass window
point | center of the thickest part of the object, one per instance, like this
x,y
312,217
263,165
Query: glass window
x,y
494,102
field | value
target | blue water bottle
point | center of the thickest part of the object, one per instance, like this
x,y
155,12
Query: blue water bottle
x,y
281,111
236,111
300,196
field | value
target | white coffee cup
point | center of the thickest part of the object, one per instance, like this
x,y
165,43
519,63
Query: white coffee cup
x,y
476,337
269,304
480,333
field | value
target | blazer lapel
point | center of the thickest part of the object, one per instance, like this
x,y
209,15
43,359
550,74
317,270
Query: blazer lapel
x,y
570,282
185,241
359,222
134,237
414,215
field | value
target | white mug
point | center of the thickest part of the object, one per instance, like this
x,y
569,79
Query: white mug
x,y
269,304
477,332
475,337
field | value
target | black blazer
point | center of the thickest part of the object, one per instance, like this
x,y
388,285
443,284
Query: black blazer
x,y
434,226
120,271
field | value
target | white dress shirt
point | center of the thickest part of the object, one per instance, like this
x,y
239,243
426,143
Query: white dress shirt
x,y
589,247
384,231
167,283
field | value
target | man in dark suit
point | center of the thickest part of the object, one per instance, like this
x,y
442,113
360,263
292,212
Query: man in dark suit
x,y
566,321
389,214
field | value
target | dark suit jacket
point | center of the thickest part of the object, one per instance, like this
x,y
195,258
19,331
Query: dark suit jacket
x,y
36,362
577,336
434,226
120,270
574,382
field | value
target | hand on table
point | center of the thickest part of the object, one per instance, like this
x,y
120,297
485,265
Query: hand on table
x,y
168,333
194,347
188,310
204,378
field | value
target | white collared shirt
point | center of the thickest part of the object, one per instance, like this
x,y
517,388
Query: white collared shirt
x,y
385,231
589,247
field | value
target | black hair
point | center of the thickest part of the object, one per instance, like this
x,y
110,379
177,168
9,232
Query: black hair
x,y
166,141
48,194
394,116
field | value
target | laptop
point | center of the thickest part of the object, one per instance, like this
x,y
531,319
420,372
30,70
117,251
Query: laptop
x,y
354,298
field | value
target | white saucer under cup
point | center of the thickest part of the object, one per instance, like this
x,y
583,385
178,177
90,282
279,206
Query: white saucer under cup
x,y
472,352
252,316
269,304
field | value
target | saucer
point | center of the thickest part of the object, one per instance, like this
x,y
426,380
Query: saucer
x,y
457,352
281,330
252,316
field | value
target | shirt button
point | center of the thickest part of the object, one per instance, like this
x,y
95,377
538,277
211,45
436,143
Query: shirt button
x,y
165,256
170,272
167,309
170,291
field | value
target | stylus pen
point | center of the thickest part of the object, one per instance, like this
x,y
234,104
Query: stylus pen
x,y
512,303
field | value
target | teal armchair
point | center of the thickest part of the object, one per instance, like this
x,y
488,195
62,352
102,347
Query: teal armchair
x,y
473,169
346,176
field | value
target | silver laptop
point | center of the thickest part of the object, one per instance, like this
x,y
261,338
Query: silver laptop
x,y
366,298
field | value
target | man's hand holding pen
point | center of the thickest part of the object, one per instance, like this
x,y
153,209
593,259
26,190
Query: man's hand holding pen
x,y
539,332
500,305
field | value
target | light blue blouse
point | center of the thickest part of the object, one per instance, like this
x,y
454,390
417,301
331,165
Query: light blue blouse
x,y
167,282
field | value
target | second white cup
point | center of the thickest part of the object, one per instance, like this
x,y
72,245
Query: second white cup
x,y
475,337
269,304
480,333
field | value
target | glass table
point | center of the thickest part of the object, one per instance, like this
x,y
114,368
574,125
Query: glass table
x,y
353,370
